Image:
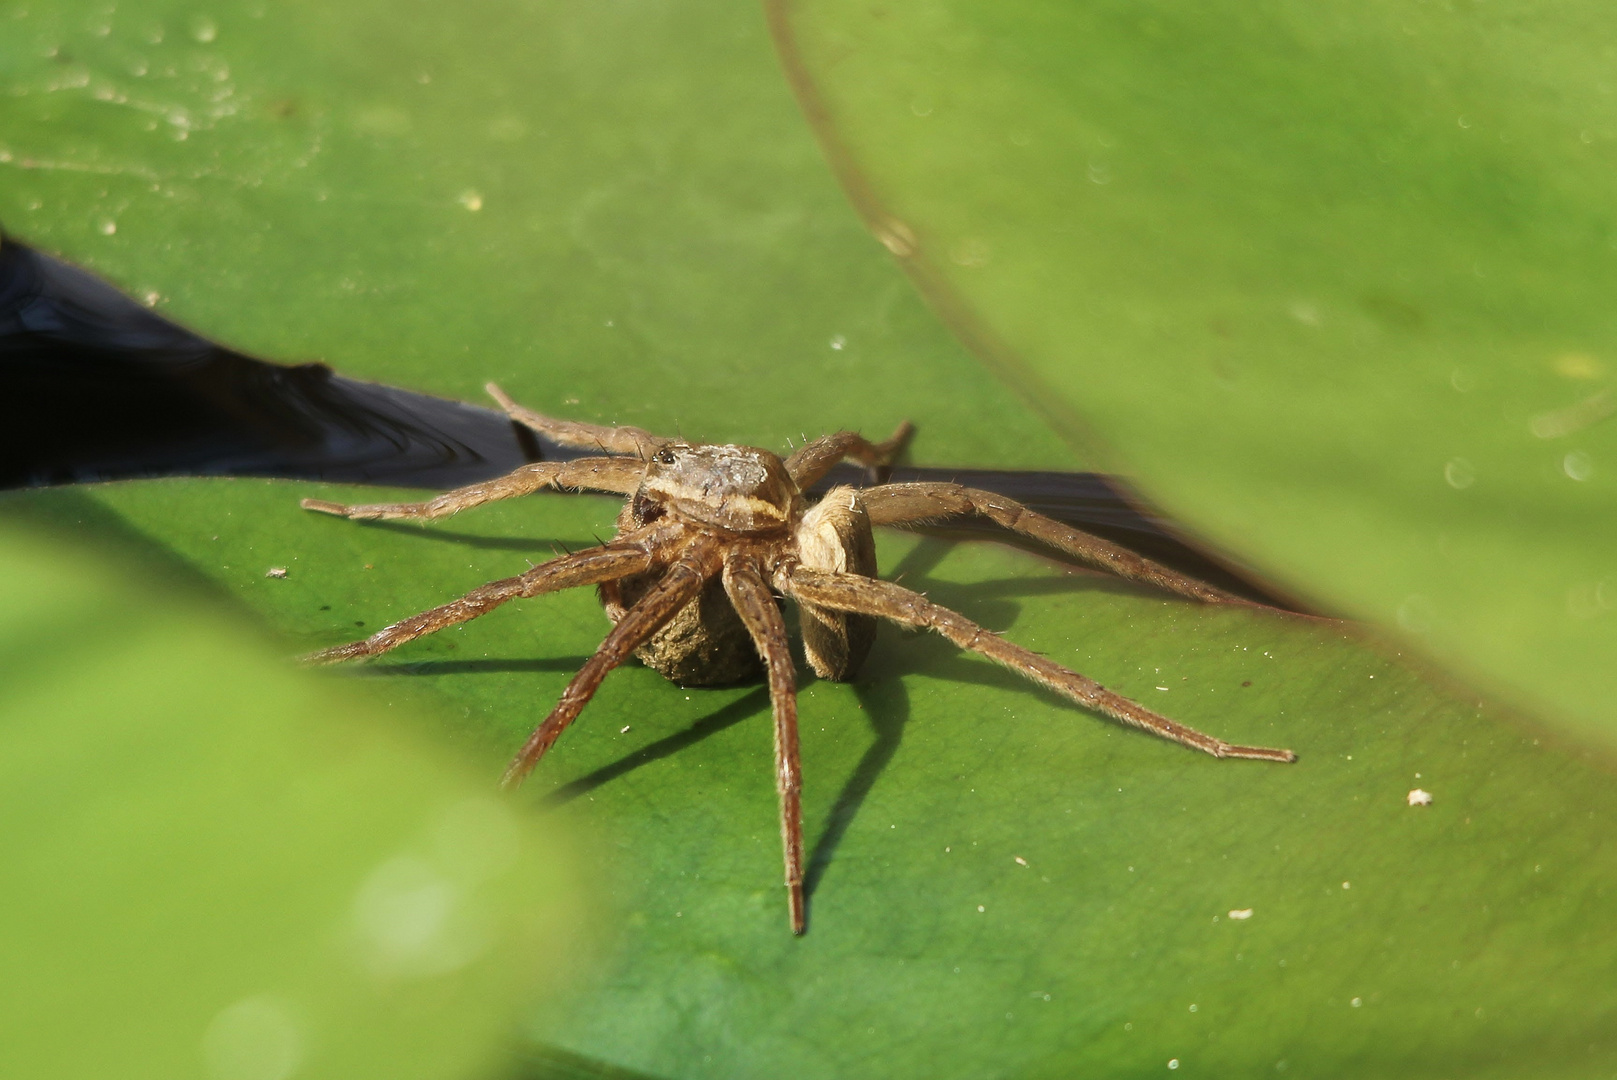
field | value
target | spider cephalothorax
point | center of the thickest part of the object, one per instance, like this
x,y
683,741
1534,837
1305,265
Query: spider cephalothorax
x,y
739,489
745,492
710,534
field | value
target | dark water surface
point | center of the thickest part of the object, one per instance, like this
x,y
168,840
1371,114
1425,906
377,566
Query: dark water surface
x,y
93,386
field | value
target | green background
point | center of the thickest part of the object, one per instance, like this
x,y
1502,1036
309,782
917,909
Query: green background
x,y
657,240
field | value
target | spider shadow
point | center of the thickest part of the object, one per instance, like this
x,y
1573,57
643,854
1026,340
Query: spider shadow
x,y
886,706
882,695
914,572
469,667
883,698
884,701
743,708
419,530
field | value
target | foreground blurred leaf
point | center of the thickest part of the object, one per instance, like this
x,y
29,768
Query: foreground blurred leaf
x,y
213,867
1333,279
642,165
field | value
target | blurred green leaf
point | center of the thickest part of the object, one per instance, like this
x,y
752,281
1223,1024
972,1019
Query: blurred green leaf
x,y
643,165
215,867
1333,280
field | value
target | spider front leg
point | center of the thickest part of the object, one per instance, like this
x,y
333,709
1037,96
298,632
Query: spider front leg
x,y
610,440
756,604
867,596
616,476
915,504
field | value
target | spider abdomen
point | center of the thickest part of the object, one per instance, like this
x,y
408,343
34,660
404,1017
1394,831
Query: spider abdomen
x,y
704,644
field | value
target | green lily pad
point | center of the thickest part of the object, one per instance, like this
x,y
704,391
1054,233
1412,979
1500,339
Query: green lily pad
x,y
1331,279
1002,884
958,819
215,867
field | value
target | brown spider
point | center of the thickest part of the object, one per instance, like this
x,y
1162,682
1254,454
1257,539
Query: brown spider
x,y
707,530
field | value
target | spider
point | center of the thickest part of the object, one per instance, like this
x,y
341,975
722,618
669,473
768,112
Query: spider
x,y
710,534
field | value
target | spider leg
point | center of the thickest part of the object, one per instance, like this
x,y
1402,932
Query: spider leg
x,y
913,504
868,596
617,476
756,604
612,440
683,580
619,559
817,458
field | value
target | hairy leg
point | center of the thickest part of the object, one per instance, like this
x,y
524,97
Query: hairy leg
x,y
567,572
678,587
915,504
756,604
616,476
817,458
848,592
609,440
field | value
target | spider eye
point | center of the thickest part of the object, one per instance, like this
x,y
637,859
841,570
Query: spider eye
x,y
665,456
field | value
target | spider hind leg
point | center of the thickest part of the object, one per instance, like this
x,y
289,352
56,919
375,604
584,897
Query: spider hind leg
x,y
847,592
